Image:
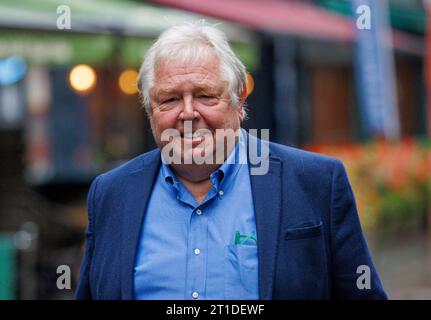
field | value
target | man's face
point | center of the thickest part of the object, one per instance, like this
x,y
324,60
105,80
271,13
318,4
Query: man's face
x,y
192,94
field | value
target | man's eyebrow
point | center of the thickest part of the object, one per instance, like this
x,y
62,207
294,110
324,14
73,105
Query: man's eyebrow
x,y
166,91
208,89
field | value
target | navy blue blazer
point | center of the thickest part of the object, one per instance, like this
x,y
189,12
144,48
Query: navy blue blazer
x,y
310,242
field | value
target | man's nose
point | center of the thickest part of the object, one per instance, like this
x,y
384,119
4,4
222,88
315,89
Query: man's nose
x,y
188,112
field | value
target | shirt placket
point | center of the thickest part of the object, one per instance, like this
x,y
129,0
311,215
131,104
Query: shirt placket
x,y
197,255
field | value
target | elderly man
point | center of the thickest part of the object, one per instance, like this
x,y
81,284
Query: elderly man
x,y
190,220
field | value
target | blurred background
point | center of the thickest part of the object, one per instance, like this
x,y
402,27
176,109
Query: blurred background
x,y
344,78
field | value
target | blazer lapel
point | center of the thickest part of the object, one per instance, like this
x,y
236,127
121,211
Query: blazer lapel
x,y
266,191
138,191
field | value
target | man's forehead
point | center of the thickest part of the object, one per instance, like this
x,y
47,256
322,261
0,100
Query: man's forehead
x,y
171,68
203,75
173,74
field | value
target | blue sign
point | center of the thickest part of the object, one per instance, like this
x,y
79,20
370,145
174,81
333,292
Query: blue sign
x,y
374,68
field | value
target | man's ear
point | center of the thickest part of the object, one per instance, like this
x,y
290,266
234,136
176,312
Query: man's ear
x,y
243,95
241,102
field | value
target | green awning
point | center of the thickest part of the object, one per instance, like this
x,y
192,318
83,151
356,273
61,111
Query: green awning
x,y
99,30
50,48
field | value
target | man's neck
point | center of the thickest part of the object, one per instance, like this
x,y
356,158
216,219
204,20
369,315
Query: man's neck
x,y
196,179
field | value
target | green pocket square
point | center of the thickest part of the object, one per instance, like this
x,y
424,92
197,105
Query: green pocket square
x,y
244,239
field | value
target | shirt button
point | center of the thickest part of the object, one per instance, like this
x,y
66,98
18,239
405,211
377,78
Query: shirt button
x,y
197,252
195,295
199,212
221,192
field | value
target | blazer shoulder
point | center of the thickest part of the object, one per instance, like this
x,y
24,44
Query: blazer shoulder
x,y
133,165
307,161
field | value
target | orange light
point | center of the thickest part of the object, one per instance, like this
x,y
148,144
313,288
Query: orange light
x,y
250,84
82,78
127,81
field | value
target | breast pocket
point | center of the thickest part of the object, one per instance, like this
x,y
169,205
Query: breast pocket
x,y
241,272
304,232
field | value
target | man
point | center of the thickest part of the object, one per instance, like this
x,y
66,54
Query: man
x,y
194,220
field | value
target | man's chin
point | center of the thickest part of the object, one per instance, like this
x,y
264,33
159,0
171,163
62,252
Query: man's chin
x,y
197,156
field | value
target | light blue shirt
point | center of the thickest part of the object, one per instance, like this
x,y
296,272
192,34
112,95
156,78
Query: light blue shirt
x,y
206,251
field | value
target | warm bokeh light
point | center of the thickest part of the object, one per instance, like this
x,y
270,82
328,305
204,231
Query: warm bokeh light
x,y
127,81
82,78
250,84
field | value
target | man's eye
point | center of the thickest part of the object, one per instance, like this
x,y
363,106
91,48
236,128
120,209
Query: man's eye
x,y
206,97
170,100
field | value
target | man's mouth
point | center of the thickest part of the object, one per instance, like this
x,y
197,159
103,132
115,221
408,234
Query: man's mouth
x,y
192,135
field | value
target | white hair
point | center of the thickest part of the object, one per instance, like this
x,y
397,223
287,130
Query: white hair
x,y
190,41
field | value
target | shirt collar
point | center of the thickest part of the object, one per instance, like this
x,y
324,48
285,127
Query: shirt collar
x,y
230,167
169,176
